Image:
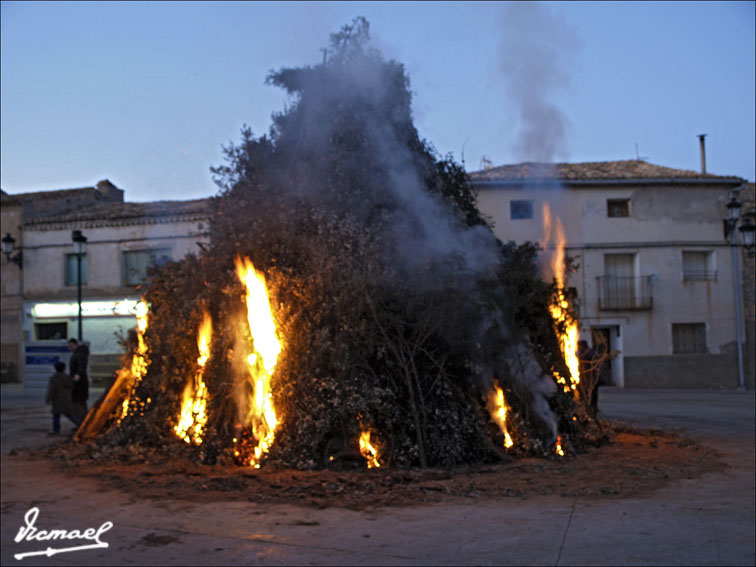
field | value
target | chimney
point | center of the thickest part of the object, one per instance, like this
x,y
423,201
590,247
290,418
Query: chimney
x,y
108,191
703,153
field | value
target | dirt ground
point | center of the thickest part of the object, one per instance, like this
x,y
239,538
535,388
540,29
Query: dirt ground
x,y
675,488
637,463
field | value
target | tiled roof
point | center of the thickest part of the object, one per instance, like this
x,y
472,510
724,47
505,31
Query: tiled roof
x,y
597,170
105,214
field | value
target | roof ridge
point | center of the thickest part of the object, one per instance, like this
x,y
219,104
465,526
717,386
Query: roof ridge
x,y
596,170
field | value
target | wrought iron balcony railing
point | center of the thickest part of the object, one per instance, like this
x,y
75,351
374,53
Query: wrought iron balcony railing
x,y
625,293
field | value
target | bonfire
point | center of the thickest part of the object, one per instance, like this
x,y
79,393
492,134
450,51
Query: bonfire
x,y
353,307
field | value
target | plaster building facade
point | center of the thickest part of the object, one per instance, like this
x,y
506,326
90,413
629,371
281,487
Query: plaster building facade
x,y
123,239
652,270
14,211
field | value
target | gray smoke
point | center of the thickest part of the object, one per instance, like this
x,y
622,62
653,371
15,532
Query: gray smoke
x,y
433,245
427,231
536,55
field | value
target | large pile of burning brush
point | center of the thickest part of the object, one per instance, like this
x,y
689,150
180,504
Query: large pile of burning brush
x,y
353,307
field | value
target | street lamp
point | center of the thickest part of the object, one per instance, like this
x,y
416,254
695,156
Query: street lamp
x,y
8,241
746,237
747,229
80,248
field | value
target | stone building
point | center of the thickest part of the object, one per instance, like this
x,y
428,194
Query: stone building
x,y
653,272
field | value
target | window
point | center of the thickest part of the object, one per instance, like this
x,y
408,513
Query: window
x,y
51,331
521,209
618,207
71,270
688,338
619,265
136,262
698,266
620,287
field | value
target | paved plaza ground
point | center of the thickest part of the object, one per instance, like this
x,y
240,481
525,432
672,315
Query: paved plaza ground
x,y
705,520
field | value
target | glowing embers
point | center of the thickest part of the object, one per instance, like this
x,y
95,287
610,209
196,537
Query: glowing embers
x,y
139,363
260,414
369,451
191,425
566,327
497,407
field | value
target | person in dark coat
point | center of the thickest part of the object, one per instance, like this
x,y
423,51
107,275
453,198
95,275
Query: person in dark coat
x,y
59,396
77,368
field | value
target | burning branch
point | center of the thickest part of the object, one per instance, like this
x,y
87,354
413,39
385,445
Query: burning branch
x,y
122,392
498,408
193,416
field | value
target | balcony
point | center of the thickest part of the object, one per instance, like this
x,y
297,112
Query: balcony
x,y
618,293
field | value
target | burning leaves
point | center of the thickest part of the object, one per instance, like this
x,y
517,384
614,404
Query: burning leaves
x,y
558,447
368,450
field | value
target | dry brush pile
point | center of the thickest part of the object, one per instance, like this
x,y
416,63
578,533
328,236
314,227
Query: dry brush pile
x,y
397,309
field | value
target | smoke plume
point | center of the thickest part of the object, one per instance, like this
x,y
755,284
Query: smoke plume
x,y
536,55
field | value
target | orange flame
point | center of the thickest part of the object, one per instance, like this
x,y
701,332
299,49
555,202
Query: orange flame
x,y
193,415
262,362
558,447
554,232
497,407
369,451
139,361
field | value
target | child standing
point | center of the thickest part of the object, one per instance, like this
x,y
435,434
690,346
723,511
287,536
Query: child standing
x,y
59,397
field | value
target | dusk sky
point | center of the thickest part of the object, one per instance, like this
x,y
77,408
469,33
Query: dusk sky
x,y
145,94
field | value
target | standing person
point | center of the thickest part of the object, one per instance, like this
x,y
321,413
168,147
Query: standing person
x,y
59,396
77,368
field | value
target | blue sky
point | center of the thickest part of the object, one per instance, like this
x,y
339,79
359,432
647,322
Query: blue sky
x,y
145,93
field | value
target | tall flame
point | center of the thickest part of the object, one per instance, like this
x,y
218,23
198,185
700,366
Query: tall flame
x,y
554,232
262,362
193,415
369,451
497,407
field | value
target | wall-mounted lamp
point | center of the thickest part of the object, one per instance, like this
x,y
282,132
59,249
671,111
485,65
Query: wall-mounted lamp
x,y
8,241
